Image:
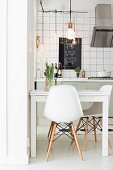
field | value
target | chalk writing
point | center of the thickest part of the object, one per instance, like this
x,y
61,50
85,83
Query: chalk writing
x,y
69,55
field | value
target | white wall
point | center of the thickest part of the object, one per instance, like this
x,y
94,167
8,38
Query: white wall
x,y
20,47
16,74
92,59
31,54
17,82
3,24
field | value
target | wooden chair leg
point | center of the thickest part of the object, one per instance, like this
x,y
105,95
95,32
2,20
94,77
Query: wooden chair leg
x,y
75,138
94,125
51,140
50,129
78,125
109,143
52,125
71,135
50,133
86,132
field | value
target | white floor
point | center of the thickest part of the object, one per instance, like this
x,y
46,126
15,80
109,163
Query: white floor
x,y
64,156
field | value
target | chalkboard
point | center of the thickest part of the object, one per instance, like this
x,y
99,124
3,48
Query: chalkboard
x,y
69,54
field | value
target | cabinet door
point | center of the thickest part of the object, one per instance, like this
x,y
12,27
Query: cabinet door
x,y
77,85
93,85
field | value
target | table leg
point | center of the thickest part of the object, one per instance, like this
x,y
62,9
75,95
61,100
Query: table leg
x,y
33,127
105,127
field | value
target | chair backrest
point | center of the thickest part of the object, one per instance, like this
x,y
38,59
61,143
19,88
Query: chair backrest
x,y
63,104
106,88
96,107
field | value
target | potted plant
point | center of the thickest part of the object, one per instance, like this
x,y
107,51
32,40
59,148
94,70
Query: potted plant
x,y
49,73
77,70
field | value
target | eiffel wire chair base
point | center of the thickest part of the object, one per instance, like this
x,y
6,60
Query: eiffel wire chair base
x,y
90,124
98,121
110,124
68,130
62,130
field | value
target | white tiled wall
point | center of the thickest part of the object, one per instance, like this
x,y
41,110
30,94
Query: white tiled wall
x,y
93,59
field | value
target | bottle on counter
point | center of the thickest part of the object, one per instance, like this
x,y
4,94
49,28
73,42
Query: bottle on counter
x,y
82,74
38,73
59,70
55,71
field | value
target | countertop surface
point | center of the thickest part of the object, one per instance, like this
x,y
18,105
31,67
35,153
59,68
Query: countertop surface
x,y
76,80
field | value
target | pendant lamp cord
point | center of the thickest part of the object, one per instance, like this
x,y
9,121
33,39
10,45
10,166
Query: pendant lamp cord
x,y
70,11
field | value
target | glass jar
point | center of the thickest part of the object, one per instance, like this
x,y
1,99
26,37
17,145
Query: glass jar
x,y
48,83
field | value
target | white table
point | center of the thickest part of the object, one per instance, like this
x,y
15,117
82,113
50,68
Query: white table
x,y
85,96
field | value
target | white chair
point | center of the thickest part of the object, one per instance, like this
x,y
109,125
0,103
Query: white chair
x,y
93,116
63,106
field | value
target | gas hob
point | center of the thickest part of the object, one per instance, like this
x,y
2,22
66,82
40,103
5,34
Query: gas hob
x,y
100,78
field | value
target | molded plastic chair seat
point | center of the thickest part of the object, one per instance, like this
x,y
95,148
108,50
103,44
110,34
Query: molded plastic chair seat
x,y
63,105
90,115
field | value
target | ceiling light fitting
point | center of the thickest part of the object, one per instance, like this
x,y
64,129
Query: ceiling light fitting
x,y
58,11
70,32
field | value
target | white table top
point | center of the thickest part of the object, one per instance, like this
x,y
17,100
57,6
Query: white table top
x,y
80,92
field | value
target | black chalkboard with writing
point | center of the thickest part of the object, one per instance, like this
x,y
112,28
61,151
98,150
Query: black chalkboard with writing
x,y
69,54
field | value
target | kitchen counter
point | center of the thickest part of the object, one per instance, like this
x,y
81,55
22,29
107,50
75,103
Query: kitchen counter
x,y
75,80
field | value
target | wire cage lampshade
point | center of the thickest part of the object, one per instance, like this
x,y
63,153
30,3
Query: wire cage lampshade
x,y
70,32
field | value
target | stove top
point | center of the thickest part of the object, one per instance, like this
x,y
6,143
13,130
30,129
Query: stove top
x,y
100,78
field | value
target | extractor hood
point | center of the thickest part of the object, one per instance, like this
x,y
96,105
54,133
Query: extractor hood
x,y
103,31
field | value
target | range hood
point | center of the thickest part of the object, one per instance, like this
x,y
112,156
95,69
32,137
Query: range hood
x,y
103,31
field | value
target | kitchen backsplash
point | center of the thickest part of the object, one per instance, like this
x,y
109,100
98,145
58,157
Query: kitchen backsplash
x,y
93,59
